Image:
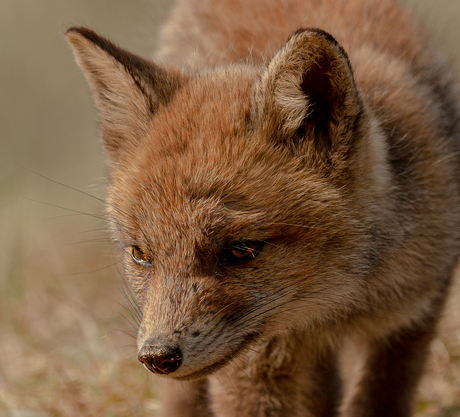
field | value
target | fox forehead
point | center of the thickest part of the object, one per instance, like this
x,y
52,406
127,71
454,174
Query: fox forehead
x,y
183,179
181,200
210,107
203,176
193,203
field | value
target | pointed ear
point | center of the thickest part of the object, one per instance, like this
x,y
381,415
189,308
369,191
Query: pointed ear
x,y
307,93
126,88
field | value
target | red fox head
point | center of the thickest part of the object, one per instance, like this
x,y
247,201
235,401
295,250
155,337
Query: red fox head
x,y
234,193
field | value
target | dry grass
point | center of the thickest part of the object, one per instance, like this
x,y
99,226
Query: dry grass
x,y
62,347
439,392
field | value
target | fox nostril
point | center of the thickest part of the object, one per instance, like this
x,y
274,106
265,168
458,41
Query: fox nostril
x,y
160,359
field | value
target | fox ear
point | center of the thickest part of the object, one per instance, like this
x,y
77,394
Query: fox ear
x,y
307,93
126,88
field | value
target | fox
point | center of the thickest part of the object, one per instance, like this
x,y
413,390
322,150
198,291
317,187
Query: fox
x,y
284,186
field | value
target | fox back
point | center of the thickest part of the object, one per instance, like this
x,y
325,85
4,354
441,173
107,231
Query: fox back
x,y
283,178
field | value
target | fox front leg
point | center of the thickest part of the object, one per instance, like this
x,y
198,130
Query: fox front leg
x,y
392,369
286,380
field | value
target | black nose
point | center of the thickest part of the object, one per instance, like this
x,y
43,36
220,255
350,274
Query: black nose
x,y
160,358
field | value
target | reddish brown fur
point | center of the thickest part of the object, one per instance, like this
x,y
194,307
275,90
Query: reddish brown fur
x,y
341,163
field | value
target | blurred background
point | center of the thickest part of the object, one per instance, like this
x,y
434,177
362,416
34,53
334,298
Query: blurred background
x,y
66,345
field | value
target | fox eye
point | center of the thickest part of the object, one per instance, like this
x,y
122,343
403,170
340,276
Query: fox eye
x,y
240,251
139,256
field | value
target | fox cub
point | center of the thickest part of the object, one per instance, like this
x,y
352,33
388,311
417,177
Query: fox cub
x,y
284,182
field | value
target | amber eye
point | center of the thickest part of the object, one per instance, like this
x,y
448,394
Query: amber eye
x,y
240,251
139,256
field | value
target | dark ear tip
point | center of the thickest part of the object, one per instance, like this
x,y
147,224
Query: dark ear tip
x,y
82,31
77,29
316,32
321,34
76,34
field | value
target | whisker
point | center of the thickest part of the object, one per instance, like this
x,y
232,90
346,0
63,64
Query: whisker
x,y
87,231
73,189
220,382
98,240
245,374
91,271
62,208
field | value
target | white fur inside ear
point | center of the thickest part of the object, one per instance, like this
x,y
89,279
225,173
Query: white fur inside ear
x,y
291,101
283,81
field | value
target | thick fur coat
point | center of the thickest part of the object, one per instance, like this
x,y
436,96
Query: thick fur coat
x,y
280,190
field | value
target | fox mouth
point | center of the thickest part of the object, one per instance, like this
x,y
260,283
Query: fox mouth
x,y
209,369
